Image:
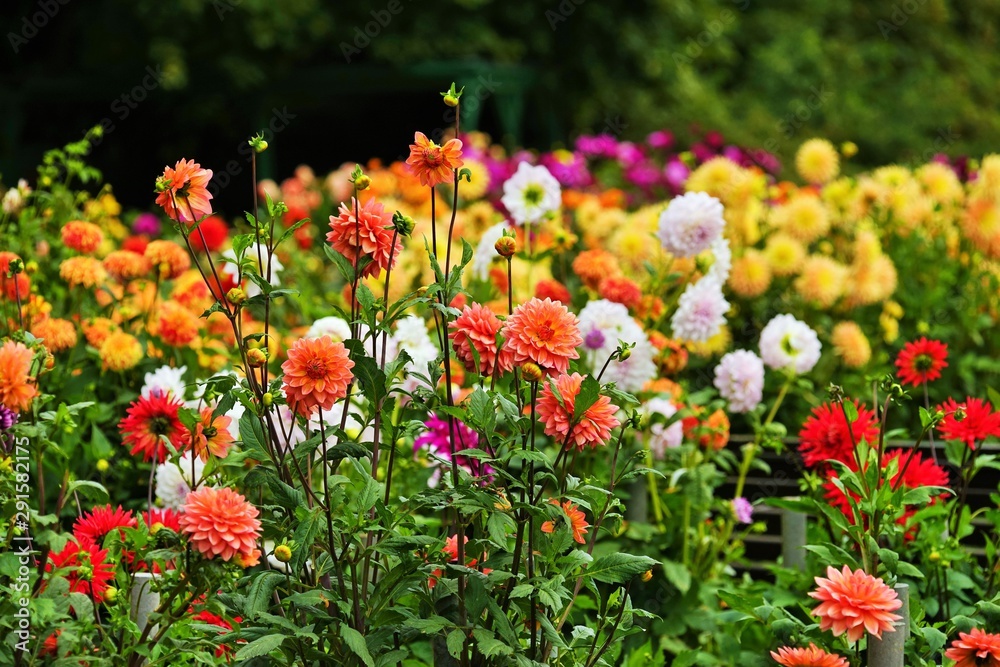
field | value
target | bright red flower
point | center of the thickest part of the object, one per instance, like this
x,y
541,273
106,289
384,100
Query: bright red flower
x,y
151,420
166,518
209,618
826,435
184,191
13,287
451,550
97,524
975,649
592,428
214,229
476,329
621,290
372,232
920,472
971,422
88,570
855,602
921,361
552,289
808,657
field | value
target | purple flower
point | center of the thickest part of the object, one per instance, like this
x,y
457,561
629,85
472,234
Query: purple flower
x,y
594,340
7,420
676,173
660,140
702,153
743,510
147,224
437,440
629,154
569,168
644,174
600,145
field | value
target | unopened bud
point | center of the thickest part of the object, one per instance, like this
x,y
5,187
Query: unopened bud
x,y
103,465
362,182
506,246
959,414
451,100
647,575
403,224
258,144
532,372
15,266
256,357
283,553
110,594
155,528
625,354
236,296
162,184
31,267
849,149
268,399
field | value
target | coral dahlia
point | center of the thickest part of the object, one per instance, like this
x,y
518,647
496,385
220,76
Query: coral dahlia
x,y
476,329
220,522
855,602
543,332
576,520
184,191
592,428
813,656
317,373
975,649
431,163
369,235
17,388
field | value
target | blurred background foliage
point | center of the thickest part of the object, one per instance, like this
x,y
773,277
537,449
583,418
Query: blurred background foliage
x,y
903,79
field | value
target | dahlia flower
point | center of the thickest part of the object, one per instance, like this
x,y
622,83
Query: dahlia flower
x,y
605,323
95,525
17,388
851,344
476,329
120,351
212,434
81,236
971,422
921,361
817,161
701,312
812,656
531,194
592,428
544,333
184,191
89,572
431,163
151,420
335,327
220,522
82,272
975,649
788,344
57,334
317,373
165,380
438,443
168,258
739,377
230,269
575,518
370,235
855,602
482,258
690,223
825,435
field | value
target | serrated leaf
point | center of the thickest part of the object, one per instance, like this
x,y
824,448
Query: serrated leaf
x,y
260,647
259,596
618,568
356,642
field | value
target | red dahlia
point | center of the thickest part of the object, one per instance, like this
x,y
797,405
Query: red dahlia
x,y
151,420
971,422
97,524
921,361
85,567
826,435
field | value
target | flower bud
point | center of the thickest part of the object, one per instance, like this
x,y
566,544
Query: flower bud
x,y
15,266
258,144
451,100
110,594
625,354
849,149
403,224
162,184
236,296
506,246
647,575
362,182
31,267
532,372
283,553
268,399
155,528
256,357
103,465
959,414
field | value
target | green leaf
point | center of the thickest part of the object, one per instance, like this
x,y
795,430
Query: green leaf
x,y
259,647
259,597
344,266
678,575
618,568
455,641
590,391
356,642
935,638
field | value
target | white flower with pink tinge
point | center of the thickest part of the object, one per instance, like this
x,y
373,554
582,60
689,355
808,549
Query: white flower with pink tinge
x,y
701,312
690,224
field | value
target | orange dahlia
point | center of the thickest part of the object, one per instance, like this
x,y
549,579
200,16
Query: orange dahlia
x,y
808,657
854,602
621,290
474,334
552,289
120,351
594,266
168,258
16,384
14,287
975,649
57,334
557,412
576,520
184,191
220,522
317,374
97,329
176,325
431,163
82,271
212,435
371,232
544,333
82,236
125,265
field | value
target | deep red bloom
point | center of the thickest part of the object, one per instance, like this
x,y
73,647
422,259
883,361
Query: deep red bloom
x,y
149,421
971,422
826,435
919,472
208,617
88,570
97,524
921,361
214,229
167,518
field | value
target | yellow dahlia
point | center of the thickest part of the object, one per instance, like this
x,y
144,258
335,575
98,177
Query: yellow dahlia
x,y
804,217
785,254
817,161
851,344
822,280
750,275
871,282
940,182
120,351
981,224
